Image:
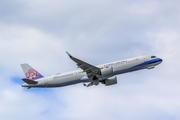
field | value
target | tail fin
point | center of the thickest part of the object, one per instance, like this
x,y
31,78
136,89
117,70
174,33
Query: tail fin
x,y
30,73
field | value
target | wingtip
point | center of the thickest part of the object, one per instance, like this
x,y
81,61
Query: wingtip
x,y
69,54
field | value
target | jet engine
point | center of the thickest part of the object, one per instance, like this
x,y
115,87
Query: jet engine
x,y
110,81
103,75
107,71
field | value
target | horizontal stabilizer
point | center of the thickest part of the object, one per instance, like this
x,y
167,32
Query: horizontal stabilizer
x,y
29,81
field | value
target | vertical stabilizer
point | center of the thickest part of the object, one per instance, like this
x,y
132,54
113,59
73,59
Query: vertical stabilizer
x,y
30,73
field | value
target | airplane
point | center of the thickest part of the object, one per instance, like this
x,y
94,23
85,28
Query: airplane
x,y
93,75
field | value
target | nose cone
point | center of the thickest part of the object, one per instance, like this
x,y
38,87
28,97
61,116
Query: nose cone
x,y
160,60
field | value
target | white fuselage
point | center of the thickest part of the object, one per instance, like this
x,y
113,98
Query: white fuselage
x,y
78,76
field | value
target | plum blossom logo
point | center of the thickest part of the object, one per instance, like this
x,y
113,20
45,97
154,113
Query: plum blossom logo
x,y
31,74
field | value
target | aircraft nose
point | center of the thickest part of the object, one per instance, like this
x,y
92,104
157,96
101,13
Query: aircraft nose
x,y
160,60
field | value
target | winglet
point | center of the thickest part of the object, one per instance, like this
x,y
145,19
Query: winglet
x,y
69,54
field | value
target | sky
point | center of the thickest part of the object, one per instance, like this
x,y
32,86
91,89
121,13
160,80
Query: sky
x,y
38,32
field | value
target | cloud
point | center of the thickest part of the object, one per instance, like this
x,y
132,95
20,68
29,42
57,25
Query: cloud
x,y
39,33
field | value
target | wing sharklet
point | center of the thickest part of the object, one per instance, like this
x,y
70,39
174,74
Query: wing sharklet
x,y
69,54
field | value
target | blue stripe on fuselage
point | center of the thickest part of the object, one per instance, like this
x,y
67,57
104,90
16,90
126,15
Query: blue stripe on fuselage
x,y
149,62
138,67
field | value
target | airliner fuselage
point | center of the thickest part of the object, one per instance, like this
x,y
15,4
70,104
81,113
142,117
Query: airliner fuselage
x,y
105,73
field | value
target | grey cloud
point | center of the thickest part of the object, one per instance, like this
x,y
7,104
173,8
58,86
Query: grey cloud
x,y
10,11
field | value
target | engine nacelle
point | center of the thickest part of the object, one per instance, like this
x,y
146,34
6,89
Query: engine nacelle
x,y
111,81
107,71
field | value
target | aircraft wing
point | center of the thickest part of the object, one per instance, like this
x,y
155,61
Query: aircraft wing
x,y
88,68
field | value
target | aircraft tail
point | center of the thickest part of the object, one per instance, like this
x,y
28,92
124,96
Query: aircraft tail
x,y
30,73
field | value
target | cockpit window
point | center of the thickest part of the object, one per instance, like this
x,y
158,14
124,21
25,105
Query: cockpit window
x,y
153,56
